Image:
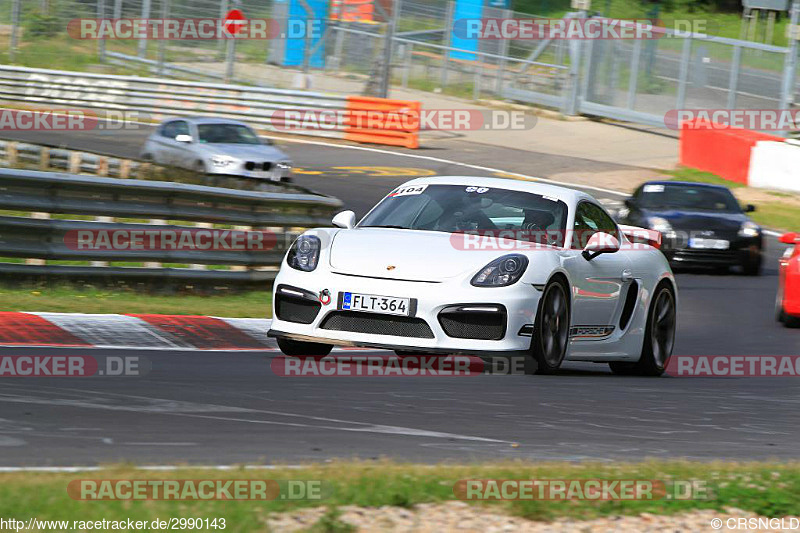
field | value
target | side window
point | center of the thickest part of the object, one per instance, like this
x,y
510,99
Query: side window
x,y
591,219
181,128
168,130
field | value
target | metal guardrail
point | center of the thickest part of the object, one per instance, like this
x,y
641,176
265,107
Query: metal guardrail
x,y
42,157
157,99
47,157
41,238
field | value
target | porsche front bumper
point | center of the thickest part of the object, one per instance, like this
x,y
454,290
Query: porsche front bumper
x,y
450,316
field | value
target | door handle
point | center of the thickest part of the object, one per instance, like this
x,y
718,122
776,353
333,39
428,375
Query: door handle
x,y
627,275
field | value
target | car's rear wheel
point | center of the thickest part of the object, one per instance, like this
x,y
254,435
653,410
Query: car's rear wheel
x,y
659,336
303,349
551,334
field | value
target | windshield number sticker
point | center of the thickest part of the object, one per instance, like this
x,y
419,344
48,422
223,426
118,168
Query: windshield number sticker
x,y
408,191
479,190
653,188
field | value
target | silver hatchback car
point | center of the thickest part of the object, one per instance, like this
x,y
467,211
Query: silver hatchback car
x,y
216,146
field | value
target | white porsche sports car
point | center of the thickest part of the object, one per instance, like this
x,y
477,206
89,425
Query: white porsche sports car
x,y
481,266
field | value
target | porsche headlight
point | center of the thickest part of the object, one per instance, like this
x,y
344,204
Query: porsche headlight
x,y
749,229
223,160
659,224
501,272
304,253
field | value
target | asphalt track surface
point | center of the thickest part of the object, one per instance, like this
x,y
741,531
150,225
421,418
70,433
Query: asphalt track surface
x,y
229,407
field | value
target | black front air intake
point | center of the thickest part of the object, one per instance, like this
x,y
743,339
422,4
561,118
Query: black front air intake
x,y
479,322
296,305
374,324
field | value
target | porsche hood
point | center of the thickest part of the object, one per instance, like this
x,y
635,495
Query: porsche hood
x,y
411,254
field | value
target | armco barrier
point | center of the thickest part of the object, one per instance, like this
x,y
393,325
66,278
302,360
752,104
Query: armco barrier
x,y
156,99
40,238
48,158
40,157
775,165
720,150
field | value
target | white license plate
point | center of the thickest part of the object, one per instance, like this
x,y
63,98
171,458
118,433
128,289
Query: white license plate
x,y
259,174
709,244
372,303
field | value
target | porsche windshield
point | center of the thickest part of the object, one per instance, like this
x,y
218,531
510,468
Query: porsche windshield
x,y
461,208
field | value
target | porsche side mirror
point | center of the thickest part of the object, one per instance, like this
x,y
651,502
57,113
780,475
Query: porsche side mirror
x,y
183,138
749,208
600,243
630,203
345,219
789,238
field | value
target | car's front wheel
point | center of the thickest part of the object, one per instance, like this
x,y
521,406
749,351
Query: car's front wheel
x,y
551,334
303,349
752,266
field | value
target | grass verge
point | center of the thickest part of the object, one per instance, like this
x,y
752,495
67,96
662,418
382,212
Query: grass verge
x,y
69,299
777,210
769,489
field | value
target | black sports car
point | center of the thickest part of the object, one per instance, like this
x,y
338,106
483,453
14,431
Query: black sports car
x,y
700,224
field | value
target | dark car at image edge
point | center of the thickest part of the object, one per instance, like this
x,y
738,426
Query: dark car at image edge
x,y
702,225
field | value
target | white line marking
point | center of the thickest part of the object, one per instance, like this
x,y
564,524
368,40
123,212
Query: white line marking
x,y
451,162
194,410
158,443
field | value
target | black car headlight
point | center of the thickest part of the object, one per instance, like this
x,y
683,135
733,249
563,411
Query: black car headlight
x,y
501,272
749,229
304,253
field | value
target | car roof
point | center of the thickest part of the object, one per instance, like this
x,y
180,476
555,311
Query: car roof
x,y
687,183
569,196
207,120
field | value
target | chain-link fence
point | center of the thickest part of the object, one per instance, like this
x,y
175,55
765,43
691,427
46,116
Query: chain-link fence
x,y
638,80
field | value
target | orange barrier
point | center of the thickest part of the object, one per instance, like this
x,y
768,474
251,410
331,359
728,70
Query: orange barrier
x,y
719,149
353,10
383,121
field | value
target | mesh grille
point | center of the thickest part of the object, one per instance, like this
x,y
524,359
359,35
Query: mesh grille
x,y
482,326
399,326
296,310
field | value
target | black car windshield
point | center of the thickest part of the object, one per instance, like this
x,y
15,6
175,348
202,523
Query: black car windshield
x,y
226,134
462,208
689,197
